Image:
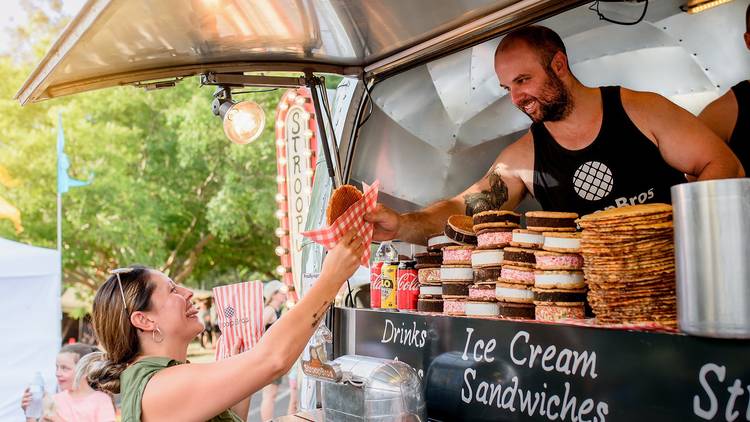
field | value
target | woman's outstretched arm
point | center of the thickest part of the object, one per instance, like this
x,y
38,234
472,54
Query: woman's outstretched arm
x,y
198,392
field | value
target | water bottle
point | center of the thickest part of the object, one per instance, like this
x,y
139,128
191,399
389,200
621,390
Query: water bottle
x,y
36,388
385,253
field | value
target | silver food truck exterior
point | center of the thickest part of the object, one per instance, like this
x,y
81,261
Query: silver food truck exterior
x,y
420,109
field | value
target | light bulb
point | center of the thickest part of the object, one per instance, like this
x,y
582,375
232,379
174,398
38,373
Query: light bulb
x,y
280,214
244,122
280,251
280,270
280,197
281,232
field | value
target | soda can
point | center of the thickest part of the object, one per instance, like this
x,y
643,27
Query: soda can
x,y
376,283
388,286
407,286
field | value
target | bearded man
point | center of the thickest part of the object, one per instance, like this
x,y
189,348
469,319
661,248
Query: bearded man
x,y
588,148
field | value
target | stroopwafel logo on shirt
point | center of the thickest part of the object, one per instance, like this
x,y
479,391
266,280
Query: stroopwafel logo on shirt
x,y
593,181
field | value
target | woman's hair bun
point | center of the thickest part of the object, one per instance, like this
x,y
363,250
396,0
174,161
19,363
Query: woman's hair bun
x,y
102,374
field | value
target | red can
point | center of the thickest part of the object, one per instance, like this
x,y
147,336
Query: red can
x,y
408,286
388,289
376,281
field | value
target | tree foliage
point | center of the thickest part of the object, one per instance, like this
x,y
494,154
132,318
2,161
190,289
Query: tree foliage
x,y
170,191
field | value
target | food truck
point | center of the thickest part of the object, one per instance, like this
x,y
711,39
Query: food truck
x,y
420,110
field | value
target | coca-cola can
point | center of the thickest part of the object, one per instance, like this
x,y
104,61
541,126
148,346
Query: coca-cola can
x,y
388,285
376,281
408,286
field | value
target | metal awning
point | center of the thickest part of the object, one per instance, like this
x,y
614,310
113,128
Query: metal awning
x,y
118,42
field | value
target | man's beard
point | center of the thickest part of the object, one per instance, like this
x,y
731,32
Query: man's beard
x,y
554,103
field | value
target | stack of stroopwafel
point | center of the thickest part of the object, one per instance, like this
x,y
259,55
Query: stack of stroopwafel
x,y
629,264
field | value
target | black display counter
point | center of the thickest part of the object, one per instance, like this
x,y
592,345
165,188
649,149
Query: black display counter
x,y
501,370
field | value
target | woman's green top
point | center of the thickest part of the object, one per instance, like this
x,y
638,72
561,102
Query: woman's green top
x,y
133,382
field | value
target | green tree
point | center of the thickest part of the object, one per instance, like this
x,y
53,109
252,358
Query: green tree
x,y
170,190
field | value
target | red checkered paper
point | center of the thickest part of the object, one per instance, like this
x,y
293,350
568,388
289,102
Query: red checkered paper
x,y
239,310
354,217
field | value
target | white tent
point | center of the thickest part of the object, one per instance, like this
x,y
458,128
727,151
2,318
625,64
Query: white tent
x,y
30,305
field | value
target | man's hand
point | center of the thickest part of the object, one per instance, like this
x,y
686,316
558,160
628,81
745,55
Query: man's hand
x,y
387,223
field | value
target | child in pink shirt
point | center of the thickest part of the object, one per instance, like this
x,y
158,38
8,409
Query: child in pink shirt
x,y
84,406
82,403
77,401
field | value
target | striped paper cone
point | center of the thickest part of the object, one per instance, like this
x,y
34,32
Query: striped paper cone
x,y
239,309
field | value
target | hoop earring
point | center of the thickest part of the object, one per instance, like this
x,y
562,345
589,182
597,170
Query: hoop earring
x,y
153,335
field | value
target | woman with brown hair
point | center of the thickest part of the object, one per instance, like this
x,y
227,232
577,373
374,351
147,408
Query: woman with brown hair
x,y
145,322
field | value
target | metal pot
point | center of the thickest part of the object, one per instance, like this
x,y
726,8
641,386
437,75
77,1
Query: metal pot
x,y
373,390
712,251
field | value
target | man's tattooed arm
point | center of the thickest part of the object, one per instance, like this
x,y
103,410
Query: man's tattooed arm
x,y
486,200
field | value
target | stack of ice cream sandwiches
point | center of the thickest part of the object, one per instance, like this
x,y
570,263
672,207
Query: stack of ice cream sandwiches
x,y
428,273
493,229
517,277
456,274
487,266
559,287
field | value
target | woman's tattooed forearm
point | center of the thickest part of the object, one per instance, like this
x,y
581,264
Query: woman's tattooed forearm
x,y
320,313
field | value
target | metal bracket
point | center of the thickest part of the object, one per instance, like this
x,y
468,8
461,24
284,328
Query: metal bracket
x,y
238,79
320,103
160,84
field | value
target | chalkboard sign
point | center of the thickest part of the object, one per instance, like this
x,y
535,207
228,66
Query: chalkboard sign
x,y
495,370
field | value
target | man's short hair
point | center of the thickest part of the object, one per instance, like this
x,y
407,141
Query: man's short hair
x,y
545,41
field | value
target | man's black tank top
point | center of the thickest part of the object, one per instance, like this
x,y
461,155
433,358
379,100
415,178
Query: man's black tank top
x,y
739,142
621,167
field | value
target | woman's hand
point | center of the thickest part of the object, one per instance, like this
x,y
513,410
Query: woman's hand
x,y
236,347
26,399
343,260
241,408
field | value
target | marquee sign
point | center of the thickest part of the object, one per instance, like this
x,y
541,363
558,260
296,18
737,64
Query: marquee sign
x,y
491,370
296,148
